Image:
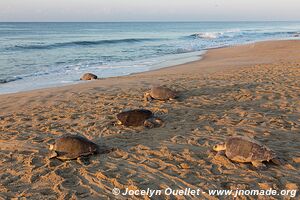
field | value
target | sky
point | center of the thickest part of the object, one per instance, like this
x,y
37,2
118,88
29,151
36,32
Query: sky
x,y
148,10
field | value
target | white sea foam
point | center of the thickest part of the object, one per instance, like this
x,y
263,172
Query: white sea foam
x,y
218,34
209,35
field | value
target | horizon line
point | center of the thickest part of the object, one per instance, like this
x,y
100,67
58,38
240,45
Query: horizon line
x,y
150,21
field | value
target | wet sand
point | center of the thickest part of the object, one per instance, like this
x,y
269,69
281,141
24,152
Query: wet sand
x,y
251,90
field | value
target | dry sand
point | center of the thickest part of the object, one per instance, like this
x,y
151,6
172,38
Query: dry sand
x,y
251,90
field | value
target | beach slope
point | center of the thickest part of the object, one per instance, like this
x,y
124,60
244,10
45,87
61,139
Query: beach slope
x,y
251,90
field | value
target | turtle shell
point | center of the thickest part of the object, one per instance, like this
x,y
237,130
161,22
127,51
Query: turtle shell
x,y
73,146
135,117
244,149
162,93
88,76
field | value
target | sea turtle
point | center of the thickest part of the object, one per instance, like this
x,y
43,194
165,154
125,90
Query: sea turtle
x,y
88,76
245,149
69,147
160,93
138,117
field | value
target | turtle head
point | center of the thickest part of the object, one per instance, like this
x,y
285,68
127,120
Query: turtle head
x,y
219,147
51,147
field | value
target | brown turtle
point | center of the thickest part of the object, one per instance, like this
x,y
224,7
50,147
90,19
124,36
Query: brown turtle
x,y
88,77
68,147
245,149
160,93
138,117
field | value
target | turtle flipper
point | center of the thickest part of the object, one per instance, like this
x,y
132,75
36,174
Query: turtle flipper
x,y
148,97
278,161
258,165
149,123
83,160
153,122
158,122
53,154
221,153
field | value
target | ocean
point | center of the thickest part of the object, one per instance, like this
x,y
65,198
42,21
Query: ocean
x,y
41,55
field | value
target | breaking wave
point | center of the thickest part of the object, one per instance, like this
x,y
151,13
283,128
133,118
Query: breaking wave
x,y
84,43
7,80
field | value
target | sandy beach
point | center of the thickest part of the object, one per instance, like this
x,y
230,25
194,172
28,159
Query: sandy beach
x,y
251,90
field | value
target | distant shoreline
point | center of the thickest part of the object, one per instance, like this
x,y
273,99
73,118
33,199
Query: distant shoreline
x,y
198,56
